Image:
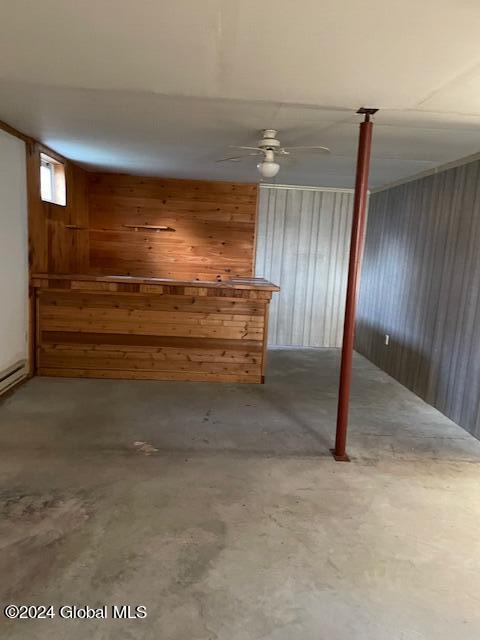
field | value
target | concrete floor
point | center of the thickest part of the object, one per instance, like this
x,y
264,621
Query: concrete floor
x,y
219,508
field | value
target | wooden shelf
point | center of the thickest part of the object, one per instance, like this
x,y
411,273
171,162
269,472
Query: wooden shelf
x,y
148,227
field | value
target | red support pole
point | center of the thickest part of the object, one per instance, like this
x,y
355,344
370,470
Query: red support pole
x,y
356,251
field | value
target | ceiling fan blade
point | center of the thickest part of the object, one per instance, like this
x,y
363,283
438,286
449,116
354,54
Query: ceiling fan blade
x,y
234,146
286,160
308,148
237,158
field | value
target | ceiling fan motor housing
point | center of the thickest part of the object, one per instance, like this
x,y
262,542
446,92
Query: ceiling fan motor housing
x,y
269,140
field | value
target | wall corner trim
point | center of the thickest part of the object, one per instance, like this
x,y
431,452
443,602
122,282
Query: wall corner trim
x,y
266,185
429,172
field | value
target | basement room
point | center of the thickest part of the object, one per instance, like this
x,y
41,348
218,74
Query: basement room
x,y
240,325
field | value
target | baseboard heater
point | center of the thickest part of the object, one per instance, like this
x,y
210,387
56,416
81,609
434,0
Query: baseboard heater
x,y
12,374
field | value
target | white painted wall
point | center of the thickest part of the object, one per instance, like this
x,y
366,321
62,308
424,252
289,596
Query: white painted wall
x,y
303,240
13,254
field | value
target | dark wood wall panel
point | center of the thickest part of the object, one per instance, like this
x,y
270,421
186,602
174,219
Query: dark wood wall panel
x,y
212,226
421,285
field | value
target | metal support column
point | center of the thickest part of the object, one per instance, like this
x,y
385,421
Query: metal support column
x,y
354,268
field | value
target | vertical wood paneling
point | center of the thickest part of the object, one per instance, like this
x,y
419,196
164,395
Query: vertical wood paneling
x,y
54,246
420,284
302,244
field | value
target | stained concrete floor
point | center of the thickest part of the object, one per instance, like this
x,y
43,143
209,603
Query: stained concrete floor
x,y
219,508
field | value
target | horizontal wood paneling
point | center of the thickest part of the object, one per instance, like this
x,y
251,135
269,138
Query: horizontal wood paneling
x,y
177,305
151,335
146,342
144,360
421,285
190,376
213,223
143,322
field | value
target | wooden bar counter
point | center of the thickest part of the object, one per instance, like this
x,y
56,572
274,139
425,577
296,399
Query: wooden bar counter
x,y
151,328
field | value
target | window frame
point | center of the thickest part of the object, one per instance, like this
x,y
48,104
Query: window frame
x,y
45,164
57,186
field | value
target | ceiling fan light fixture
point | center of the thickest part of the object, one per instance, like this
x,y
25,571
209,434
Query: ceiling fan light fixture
x,y
270,148
268,168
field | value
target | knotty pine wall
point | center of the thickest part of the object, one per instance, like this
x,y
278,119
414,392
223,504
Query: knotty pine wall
x,y
212,236
58,236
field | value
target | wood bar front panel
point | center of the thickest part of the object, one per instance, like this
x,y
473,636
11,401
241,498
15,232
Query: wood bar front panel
x,y
210,236
167,333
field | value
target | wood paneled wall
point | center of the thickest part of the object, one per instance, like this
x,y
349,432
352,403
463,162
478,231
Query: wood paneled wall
x,y
58,236
212,224
421,285
211,232
303,240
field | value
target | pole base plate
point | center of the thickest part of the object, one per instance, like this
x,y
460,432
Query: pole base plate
x,y
367,110
343,458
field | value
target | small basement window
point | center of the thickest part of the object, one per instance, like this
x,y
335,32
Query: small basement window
x,y
52,180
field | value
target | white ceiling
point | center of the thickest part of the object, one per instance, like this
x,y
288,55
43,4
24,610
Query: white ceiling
x,y
161,87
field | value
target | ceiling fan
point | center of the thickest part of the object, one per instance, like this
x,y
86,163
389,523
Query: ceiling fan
x,y
270,148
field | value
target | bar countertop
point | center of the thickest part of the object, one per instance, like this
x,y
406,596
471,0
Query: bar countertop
x,y
234,283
